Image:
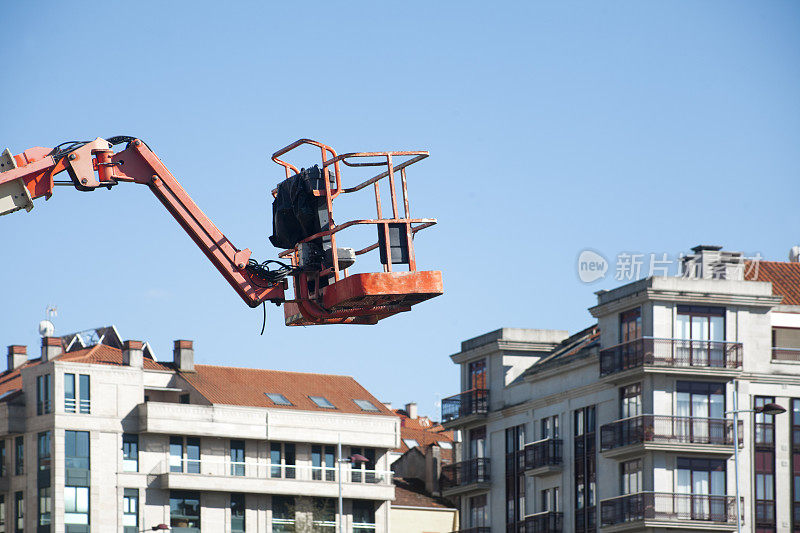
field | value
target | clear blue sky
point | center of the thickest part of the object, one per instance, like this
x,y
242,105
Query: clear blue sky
x,y
553,127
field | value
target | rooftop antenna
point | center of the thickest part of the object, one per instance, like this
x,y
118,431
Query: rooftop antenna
x,y
46,327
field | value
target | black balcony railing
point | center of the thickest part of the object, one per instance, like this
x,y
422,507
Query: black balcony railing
x,y
546,522
668,429
477,529
786,354
471,402
541,453
670,352
667,506
465,472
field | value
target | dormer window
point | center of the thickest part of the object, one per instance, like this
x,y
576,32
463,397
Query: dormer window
x,y
322,401
278,399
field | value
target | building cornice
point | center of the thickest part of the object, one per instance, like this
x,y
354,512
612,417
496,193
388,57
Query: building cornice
x,y
502,346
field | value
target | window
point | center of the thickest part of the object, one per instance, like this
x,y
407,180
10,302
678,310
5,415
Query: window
x,y
76,460
278,399
19,511
699,408
237,458
130,511
76,505
322,461
366,405
43,395
631,477
701,331
19,455
764,424
282,460
237,513
476,375
477,443
630,400
585,460
549,500
630,325
184,511
478,511
283,511
77,398
443,444
45,508
43,450
764,464
411,443
549,427
515,475
2,513
322,401
786,344
130,452
323,515
701,477
184,455
367,469
3,459
363,516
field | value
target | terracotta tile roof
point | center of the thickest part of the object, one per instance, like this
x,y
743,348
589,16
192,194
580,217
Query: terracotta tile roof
x,y
411,493
101,354
422,430
785,278
248,386
11,380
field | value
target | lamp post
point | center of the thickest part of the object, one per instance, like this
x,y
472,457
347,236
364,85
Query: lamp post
x,y
767,409
355,459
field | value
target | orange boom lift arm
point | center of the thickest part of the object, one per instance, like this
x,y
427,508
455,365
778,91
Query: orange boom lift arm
x,y
324,290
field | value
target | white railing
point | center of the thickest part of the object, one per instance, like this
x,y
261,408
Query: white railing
x,y
71,405
265,470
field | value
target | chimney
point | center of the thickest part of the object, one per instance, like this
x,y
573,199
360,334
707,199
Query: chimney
x,y
794,254
388,405
132,354
17,355
183,356
411,410
51,347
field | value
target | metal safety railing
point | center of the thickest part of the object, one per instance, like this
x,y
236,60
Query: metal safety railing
x,y
471,402
668,429
266,470
647,351
667,506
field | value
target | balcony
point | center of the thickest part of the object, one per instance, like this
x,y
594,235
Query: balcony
x,y
786,354
673,356
465,407
546,522
668,510
465,476
543,457
265,478
477,529
668,433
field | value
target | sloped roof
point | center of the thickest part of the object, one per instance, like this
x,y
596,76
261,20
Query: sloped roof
x,y
422,430
785,278
411,493
101,354
574,346
248,387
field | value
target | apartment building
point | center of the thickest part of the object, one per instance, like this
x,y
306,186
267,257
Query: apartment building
x,y
628,424
97,435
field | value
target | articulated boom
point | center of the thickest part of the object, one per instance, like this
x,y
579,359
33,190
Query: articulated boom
x,y
324,291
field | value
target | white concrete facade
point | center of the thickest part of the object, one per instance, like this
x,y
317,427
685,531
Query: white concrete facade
x,y
528,381
147,403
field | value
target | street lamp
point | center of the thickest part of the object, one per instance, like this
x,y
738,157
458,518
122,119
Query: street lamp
x,y
767,409
354,459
